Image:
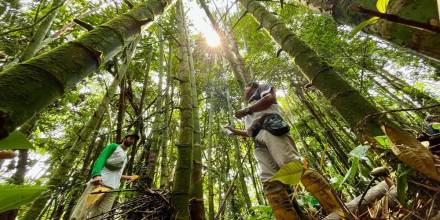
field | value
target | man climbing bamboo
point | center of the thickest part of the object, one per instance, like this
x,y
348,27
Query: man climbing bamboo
x,y
274,148
106,176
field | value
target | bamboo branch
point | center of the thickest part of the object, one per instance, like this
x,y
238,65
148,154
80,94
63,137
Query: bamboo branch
x,y
396,19
84,24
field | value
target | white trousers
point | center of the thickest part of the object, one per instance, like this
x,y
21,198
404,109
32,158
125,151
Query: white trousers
x,y
104,205
272,152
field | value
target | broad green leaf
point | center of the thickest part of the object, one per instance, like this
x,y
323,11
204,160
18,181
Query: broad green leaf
x,y
289,173
436,126
351,173
362,25
402,183
382,5
383,141
15,140
14,196
360,152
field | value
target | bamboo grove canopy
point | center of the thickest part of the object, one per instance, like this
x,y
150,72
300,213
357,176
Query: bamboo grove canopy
x,y
357,82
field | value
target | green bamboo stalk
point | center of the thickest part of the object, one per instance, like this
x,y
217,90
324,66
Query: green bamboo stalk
x,y
196,203
415,39
158,121
164,174
38,81
211,212
182,179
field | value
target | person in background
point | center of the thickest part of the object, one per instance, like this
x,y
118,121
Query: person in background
x,y
275,148
106,176
432,126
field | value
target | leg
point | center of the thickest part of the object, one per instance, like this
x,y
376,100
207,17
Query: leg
x,y
281,148
275,191
80,211
318,186
105,205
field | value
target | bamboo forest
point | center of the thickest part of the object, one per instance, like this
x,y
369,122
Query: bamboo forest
x,y
220,109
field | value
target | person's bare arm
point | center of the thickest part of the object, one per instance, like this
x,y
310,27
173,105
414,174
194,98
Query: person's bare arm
x,y
125,177
265,102
238,132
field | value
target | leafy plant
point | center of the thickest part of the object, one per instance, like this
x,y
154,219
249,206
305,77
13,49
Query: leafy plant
x,y
402,183
262,212
383,141
15,140
13,196
289,173
381,6
356,155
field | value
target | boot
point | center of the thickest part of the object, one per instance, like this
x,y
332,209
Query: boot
x,y
318,186
281,205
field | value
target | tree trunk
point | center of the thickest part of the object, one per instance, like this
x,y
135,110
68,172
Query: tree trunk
x,y
419,40
164,174
197,209
158,120
211,212
139,122
47,76
59,174
121,110
241,179
182,179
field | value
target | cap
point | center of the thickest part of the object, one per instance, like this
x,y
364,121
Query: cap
x,y
132,135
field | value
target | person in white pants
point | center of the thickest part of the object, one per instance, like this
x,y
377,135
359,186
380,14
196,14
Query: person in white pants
x,y
274,148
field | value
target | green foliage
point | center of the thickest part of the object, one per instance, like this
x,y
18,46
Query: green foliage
x,y
436,126
383,141
360,152
15,140
351,173
362,25
289,173
356,155
381,6
402,183
13,196
307,200
262,213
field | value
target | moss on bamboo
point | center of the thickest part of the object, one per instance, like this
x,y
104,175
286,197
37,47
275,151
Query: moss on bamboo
x,y
40,80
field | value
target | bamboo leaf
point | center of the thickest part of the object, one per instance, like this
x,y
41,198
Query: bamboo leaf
x,y
436,126
362,25
383,141
351,173
14,196
411,152
289,173
15,140
360,152
382,5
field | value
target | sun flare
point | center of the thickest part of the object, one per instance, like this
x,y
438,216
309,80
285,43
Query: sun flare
x,y
212,38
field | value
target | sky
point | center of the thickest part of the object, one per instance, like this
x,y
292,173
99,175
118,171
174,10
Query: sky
x,y
200,22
